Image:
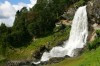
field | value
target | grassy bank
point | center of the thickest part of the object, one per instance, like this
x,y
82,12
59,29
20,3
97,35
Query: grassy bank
x,y
25,53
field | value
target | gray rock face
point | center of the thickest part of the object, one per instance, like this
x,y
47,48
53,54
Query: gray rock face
x,y
93,10
69,14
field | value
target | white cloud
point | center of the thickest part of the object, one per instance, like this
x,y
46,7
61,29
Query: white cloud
x,y
8,11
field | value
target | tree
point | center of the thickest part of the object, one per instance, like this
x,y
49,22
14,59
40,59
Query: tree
x,y
4,32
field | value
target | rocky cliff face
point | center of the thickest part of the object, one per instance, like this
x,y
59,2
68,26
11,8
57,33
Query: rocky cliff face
x,y
93,10
69,14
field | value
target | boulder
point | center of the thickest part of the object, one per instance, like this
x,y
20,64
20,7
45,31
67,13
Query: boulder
x,y
37,54
77,52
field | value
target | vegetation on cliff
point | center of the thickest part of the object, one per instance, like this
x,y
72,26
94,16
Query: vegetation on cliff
x,y
35,28
39,21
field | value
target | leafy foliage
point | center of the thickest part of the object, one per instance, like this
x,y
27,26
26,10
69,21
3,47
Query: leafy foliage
x,y
96,43
80,3
18,38
4,31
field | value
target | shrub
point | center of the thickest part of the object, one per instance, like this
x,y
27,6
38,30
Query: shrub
x,y
80,3
98,33
94,44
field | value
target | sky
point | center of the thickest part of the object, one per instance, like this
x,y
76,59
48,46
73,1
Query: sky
x,y
8,9
16,1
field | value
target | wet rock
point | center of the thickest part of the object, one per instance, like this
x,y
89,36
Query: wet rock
x,y
60,43
54,60
37,55
51,61
67,56
19,63
78,51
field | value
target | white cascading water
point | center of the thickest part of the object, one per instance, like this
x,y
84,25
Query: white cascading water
x,y
77,39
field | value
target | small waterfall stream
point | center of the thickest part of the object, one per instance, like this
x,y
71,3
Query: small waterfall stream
x,y
77,39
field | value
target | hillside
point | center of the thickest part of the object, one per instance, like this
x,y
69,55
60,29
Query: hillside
x,y
45,26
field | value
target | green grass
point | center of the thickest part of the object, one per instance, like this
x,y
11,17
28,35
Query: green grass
x,y
24,53
2,60
88,58
92,58
1,57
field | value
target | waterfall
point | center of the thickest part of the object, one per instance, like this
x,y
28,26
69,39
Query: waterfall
x,y
77,39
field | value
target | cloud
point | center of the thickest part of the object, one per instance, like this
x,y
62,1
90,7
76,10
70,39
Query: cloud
x,y
8,11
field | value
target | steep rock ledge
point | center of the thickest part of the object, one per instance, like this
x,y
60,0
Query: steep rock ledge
x,y
93,10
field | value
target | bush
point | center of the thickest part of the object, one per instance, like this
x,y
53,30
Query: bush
x,y
94,44
98,33
18,38
80,3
